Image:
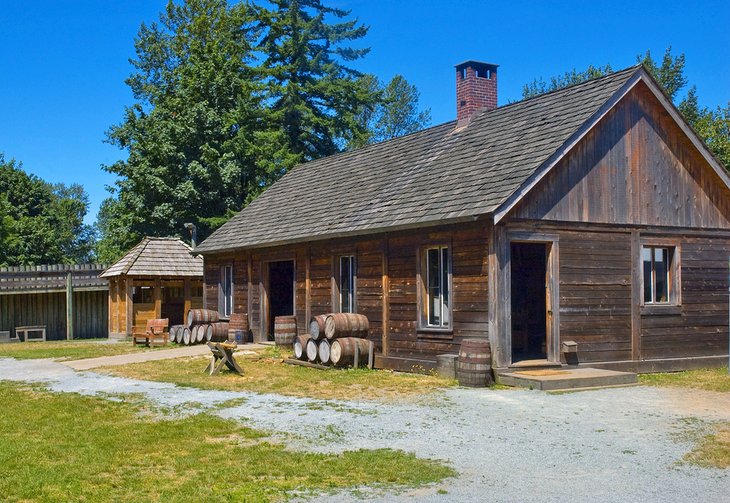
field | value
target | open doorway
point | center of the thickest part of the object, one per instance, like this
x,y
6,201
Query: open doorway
x,y
528,264
280,292
173,303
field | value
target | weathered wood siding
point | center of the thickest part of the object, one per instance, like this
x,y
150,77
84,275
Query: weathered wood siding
x,y
316,291
91,313
636,167
595,294
700,327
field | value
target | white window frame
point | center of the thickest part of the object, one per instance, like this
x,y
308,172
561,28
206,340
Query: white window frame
x,y
672,276
445,312
352,279
225,298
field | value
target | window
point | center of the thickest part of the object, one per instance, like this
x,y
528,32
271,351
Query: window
x,y
347,284
658,275
437,288
226,291
142,295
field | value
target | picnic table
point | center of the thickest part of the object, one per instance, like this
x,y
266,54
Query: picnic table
x,y
222,354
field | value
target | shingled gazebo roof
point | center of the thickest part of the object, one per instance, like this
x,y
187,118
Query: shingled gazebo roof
x,y
157,257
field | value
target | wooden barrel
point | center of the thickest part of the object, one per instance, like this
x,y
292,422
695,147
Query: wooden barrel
x,y
312,350
342,352
174,330
198,334
346,325
186,336
474,366
218,332
300,346
202,317
446,365
323,351
238,321
237,335
285,329
316,326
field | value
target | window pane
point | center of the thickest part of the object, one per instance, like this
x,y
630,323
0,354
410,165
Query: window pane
x,y
433,287
661,275
646,258
345,284
445,285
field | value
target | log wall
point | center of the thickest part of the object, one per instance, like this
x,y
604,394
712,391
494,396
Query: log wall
x,y
91,314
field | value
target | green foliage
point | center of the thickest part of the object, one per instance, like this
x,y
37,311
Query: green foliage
x,y
712,125
41,223
395,112
539,86
70,447
313,96
195,135
228,98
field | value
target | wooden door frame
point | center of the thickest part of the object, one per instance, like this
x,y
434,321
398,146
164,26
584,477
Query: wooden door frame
x,y
502,302
264,289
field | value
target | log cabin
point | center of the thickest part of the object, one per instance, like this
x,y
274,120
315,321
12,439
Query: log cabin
x,y
158,278
591,217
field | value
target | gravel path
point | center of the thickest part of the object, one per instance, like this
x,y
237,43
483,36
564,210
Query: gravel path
x,y
617,445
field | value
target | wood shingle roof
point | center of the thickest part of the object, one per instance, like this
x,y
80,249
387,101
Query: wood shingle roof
x,y
440,175
157,257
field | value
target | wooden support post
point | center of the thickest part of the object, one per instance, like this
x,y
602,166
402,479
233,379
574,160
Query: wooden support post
x,y
307,286
386,297
356,362
371,355
129,306
69,307
158,298
636,271
188,298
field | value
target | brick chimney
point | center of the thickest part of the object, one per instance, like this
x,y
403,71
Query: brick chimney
x,y
476,89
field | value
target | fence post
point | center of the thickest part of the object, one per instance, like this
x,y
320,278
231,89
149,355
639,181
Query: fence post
x,y
69,307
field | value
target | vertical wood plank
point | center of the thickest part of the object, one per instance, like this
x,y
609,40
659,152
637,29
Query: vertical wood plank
x,y
386,296
636,293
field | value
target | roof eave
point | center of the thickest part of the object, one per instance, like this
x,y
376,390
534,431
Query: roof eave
x,y
341,235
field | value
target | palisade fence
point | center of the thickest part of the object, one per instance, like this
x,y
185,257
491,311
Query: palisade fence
x,y
39,295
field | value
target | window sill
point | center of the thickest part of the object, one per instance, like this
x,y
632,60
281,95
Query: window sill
x,y
435,333
661,310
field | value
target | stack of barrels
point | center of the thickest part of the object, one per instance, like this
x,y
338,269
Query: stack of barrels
x,y
333,339
203,325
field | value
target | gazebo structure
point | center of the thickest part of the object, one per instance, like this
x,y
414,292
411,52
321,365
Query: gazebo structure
x,y
158,278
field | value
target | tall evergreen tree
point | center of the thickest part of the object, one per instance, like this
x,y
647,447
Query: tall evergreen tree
x,y
394,113
194,135
314,96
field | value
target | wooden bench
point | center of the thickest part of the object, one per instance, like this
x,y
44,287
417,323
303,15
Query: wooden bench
x,y
155,334
32,333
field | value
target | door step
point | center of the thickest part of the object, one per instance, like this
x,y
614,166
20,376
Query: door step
x,y
551,379
535,364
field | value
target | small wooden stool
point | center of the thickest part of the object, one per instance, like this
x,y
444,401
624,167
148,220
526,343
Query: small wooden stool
x,y
222,355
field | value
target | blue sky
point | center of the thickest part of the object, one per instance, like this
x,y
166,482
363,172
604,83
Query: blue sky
x,y
64,62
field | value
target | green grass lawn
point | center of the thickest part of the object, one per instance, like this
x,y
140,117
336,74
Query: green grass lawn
x,y
67,447
705,379
266,372
68,350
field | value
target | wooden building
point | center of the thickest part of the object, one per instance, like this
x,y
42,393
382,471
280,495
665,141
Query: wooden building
x,y
592,214
39,296
158,278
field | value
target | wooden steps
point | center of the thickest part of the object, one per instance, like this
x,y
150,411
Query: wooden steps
x,y
552,379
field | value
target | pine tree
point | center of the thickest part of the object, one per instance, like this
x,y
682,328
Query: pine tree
x,y
314,96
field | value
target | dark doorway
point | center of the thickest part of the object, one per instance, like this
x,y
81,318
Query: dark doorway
x,y
528,263
173,304
280,292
